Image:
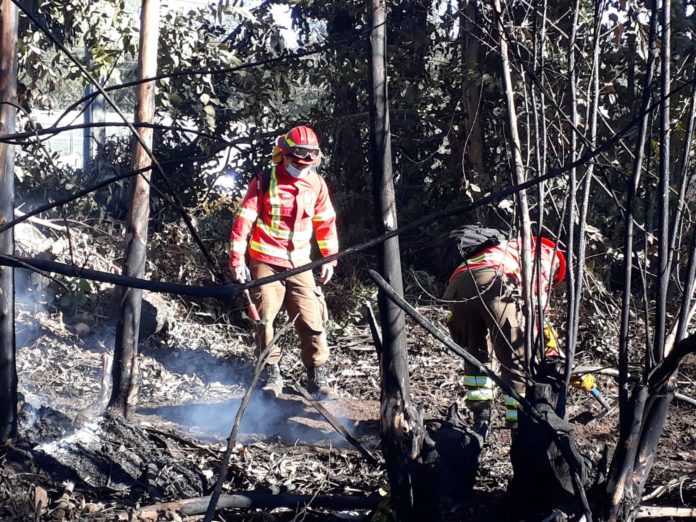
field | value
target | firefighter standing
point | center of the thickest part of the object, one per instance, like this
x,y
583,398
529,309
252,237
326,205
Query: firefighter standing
x,y
485,317
281,220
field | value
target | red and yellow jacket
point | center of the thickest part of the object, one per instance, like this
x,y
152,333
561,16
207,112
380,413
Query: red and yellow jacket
x,y
505,258
282,223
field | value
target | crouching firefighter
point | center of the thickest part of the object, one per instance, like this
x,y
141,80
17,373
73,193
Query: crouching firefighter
x,y
281,211
485,299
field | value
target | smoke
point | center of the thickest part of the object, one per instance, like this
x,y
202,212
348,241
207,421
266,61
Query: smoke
x,y
288,420
32,298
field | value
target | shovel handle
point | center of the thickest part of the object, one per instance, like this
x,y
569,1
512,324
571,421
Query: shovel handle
x,y
251,306
598,396
253,311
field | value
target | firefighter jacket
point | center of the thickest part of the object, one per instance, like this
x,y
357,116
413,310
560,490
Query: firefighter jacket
x,y
505,259
281,221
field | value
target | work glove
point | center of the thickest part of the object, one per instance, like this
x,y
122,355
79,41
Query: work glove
x,y
240,273
585,382
326,273
588,383
551,342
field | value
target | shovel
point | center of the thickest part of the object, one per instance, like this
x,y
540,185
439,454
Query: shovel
x,y
251,306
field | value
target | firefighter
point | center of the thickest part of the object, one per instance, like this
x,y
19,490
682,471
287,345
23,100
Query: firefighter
x,y
281,219
485,318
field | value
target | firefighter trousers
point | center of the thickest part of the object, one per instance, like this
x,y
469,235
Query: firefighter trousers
x,y
302,299
485,320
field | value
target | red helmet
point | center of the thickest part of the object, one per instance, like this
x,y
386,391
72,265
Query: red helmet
x,y
302,144
561,270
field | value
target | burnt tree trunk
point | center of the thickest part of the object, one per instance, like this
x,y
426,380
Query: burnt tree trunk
x,y
469,147
550,473
663,272
125,371
8,97
634,459
397,414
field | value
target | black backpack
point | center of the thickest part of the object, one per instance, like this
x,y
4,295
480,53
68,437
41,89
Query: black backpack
x,y
467,241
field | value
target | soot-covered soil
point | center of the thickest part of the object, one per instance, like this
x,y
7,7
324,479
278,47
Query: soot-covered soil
x,y
194,374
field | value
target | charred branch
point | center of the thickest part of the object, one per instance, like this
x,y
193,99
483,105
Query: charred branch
x,y
335,424
259,500
232,439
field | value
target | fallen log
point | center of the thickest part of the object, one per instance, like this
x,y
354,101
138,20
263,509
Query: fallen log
x,y
258,500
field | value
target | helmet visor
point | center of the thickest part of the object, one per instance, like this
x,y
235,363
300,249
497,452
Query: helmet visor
x,y
305,153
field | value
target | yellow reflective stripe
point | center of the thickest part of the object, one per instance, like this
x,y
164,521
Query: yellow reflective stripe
x,y
480,394
273,232
511,408
238,246
495,257
472,260
279,252
478,381
277,233
323,216
328,244
274,196
247,213
271,251
511,402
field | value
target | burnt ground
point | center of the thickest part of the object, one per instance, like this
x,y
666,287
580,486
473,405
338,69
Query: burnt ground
x,y
194,373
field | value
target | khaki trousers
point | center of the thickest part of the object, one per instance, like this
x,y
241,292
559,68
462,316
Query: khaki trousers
x,y
302,298
486,321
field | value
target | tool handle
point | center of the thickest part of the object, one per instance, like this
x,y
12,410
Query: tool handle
x,y
253,311
598,396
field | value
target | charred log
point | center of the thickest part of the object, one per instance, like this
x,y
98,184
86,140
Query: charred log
x,y
258,500
109,454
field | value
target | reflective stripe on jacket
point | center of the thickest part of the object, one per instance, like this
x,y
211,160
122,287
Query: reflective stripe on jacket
x,y
505,259
282,225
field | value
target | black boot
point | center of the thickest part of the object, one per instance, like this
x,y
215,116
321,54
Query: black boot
x,y
482,417
274,381
318,383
